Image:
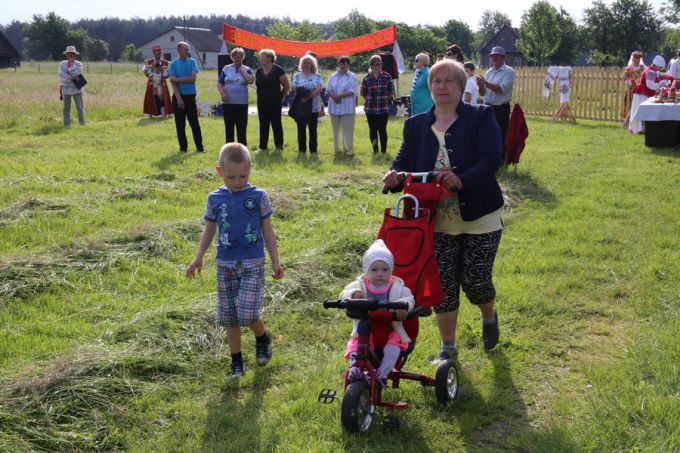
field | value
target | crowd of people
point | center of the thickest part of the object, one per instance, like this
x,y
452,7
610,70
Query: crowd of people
x,y
273,86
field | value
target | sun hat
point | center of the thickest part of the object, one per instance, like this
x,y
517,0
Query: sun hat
x,y
71,49
378,251
497,50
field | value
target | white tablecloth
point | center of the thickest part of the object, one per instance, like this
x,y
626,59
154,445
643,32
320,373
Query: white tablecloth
x,y
650,111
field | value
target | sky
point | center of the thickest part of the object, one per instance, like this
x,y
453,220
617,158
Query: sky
x,y
412,12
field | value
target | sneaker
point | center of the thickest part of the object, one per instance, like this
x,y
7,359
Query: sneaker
x,y
259,150
444,355
200,150
278,150
263,350
237,370
355,374
182,151
490,333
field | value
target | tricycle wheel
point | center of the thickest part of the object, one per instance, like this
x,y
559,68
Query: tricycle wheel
x,y
446,382
356,407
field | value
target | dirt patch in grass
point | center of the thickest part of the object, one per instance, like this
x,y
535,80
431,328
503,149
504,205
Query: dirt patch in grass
x,y
24,278
33,206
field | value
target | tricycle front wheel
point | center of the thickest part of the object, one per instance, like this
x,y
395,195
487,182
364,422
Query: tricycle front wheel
x,y
356,407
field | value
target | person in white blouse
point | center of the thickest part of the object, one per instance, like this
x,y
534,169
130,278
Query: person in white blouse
x,y
69,70
674,66
342,93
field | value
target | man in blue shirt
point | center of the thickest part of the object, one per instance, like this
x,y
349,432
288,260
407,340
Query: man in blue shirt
x,y
183,72
496,87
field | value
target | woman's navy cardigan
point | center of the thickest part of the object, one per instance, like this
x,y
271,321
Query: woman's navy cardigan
x,y
475,151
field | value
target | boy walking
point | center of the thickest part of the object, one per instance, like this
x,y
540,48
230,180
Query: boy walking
x,y
241,215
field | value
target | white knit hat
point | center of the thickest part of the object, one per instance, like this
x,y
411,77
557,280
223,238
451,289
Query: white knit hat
x,y
659,61
378,251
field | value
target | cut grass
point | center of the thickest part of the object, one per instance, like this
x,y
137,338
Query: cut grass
x,y
105,345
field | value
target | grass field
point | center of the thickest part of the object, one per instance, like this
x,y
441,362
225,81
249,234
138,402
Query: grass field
x,y
104,345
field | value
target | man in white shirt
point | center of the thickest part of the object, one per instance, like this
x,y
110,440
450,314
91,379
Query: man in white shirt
x,y
342,92
470,93
496,87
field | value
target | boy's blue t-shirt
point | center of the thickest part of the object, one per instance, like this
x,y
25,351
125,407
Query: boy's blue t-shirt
x,y
239,218
184,68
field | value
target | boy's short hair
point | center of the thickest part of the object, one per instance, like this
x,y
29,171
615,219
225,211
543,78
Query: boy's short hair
x,y
343,59
469,65
233,153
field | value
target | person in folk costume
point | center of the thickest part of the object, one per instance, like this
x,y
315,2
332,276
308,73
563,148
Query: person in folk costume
x,y
646,88
157,99
631,75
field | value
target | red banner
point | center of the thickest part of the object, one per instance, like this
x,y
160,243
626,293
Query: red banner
x,y
361,43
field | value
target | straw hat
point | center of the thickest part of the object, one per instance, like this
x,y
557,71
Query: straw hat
x,y
71,49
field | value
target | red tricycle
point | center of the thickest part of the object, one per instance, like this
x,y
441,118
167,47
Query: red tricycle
x,y
363,396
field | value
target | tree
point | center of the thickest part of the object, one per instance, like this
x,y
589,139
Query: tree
x,y
671,43
672,12
78,37
413,40
568,50
354,24
622,27
97,49
45,38
637,26
598,26
491,23
131,53
456,32
540,32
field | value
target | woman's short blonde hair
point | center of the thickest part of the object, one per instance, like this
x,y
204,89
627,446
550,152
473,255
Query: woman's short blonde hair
x,y
237,50
268,53
425,58
315,66
453,68
374,59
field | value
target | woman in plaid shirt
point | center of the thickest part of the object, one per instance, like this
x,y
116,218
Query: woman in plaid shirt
x,y
377,88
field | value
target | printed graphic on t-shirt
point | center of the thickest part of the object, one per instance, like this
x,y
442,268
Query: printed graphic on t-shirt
x,y
447,208
224,221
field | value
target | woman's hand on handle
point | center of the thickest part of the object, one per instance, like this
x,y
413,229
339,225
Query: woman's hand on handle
x,y
450,180
390,179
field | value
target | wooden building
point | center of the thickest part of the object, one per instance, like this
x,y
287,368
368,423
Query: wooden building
x,y
9,57
506,38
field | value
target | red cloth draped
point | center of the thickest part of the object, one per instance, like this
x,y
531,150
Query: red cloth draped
x,y
357,44
516,136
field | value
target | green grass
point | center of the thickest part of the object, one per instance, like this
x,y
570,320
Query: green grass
x,y
104,345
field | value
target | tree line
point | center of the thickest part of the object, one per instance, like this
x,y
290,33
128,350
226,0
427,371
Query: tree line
x,y
606,33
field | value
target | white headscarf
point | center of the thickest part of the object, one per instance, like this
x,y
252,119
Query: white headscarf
x,y
659,61
631,63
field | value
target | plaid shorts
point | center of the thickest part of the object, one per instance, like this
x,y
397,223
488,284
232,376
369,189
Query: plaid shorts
x,y
240,292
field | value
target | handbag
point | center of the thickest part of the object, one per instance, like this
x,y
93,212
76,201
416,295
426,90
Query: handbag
x,y
79,81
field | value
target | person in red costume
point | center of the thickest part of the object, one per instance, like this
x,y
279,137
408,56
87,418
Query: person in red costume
x,y
631,75
157,99
646,88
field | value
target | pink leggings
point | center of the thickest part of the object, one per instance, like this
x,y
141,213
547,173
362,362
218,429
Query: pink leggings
x,y
393,339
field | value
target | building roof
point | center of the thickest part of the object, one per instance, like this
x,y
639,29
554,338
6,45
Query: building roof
x,y
501,39
6,46
203,39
